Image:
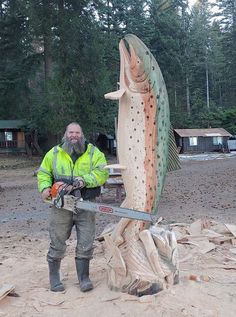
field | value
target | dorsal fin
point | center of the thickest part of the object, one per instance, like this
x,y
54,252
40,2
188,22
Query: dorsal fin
x,y
173,155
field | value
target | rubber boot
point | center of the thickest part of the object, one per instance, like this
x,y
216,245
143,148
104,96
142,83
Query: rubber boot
x,y
82,268
54,276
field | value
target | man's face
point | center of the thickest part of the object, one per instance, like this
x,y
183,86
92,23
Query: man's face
x,y
73,133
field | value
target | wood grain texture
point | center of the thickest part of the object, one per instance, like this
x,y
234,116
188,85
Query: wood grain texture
x,y
142,146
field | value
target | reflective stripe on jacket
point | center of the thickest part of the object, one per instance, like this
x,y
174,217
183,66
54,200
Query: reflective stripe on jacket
x,y
57,165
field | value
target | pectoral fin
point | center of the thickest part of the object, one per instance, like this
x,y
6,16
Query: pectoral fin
x,y
115,167
115,95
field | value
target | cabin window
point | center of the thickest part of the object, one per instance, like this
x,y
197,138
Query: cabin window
x,y
217,140
193,140
2,136
8,136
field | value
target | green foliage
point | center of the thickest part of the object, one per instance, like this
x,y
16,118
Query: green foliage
x,y
59,58
17,62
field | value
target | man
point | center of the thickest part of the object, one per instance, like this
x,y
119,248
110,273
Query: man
x,y
79,164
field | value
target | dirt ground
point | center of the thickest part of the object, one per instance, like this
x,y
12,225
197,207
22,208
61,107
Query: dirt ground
x,y
200,190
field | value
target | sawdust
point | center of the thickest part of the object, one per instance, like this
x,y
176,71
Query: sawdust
x,y
200,190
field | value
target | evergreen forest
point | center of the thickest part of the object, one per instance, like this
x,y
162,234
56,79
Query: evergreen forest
x,y
59,57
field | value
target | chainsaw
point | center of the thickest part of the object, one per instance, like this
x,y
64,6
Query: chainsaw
x,y
63,199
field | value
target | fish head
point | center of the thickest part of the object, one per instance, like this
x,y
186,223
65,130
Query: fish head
x,y
136,64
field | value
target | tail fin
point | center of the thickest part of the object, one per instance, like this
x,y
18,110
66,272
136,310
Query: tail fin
x,y
173,156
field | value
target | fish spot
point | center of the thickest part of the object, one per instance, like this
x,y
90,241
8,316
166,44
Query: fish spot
x,y
130,136
151,106
153,68
138,141
147,117
142,103
150,134
133,120
138,112
135,129
147,53
132,107
158,96
129,148
154,122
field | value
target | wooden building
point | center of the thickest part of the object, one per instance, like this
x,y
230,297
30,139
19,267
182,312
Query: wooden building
x,y
202,140
12,136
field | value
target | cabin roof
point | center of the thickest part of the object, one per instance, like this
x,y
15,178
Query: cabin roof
x,y
11,124
202,132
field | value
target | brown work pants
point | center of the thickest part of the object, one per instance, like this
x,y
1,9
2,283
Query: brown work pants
x,y
60,227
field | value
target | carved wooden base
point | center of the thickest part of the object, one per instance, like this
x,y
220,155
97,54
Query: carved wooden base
x,y
141,261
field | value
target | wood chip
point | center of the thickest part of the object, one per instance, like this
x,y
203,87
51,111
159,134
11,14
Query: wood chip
x,y
5,290
147,299
232,229
195,228
110,297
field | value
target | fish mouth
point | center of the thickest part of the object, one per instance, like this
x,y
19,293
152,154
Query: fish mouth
x,y
133,53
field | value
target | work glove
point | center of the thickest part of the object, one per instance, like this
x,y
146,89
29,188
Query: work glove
x,y
78,182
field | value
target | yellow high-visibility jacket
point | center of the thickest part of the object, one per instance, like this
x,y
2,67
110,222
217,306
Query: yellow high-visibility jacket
x,y
57,165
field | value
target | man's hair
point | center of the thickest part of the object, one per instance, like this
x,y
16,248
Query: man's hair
x,y
73,123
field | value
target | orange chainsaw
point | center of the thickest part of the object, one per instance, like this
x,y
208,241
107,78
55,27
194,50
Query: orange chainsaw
x,y
62,197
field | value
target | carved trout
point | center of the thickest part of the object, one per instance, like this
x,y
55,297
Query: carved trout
x,y
145,141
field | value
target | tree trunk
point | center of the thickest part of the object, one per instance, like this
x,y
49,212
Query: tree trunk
x,y
175,96
47,44
207,87
35,142
188,96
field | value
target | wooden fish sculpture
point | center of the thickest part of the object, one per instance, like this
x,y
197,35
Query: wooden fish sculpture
x,y
146,150
144,143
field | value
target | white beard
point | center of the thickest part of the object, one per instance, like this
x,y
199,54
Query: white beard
x,y
70,148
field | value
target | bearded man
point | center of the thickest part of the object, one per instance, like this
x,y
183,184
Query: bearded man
x,y
78,163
